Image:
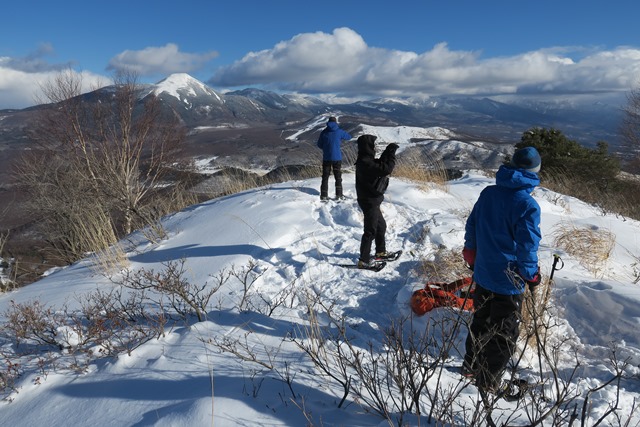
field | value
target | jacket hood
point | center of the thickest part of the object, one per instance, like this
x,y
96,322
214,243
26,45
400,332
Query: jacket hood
x,y
517,178
333,125
366,146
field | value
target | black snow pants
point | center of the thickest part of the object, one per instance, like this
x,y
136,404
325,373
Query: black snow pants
x,y
492,335
327,167
375,228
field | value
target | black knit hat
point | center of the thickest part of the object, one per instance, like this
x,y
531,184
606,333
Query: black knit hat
x,y
527,158
333,119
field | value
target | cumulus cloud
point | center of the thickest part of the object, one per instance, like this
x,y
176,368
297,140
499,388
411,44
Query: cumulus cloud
x,y
34,62
20,89
161,60
342,63
22,77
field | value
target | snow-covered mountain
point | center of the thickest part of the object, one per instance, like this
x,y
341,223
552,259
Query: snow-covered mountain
x,y
498,120
186,89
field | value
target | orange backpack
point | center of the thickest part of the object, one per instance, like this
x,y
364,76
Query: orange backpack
x,y
442,295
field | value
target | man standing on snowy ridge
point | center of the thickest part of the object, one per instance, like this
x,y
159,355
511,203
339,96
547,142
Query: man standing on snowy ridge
x,y
502,236
329,141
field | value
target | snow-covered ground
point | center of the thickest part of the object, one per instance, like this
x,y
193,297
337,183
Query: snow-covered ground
x,y
184,379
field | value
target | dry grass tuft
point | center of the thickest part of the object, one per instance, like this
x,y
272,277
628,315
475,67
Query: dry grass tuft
x,y
421,168
97,231
446,266
590,245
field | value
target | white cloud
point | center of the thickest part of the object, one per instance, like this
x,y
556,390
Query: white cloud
x,y
22,77
21,89
342,63
313,57
17,88
162,60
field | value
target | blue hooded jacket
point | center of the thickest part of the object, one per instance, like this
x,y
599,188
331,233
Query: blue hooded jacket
x,y
330,139
504,229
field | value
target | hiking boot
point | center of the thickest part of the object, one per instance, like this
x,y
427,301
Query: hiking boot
x,y
385,256
341,197
492,388
467,372
369,264
324,198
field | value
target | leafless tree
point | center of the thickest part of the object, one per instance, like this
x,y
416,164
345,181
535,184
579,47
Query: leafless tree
x,y
101,154
630,129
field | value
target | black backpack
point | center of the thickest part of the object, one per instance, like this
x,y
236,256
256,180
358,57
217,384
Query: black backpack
x,y
381,183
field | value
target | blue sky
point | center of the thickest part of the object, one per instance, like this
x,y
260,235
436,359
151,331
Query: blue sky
x,y
333,49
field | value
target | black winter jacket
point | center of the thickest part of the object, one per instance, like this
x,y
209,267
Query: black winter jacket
x,y
368,168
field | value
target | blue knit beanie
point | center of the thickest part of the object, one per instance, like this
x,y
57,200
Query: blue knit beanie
x,y
527,158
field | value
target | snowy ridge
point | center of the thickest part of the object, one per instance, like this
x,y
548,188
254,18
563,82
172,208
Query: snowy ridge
x,y
385,134
181,379
406,134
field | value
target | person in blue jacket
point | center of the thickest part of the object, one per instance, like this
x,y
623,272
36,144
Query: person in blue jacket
x,y
502,235
329,141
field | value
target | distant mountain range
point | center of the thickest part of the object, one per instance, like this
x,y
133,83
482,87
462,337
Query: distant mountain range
x,y
260,128
587,121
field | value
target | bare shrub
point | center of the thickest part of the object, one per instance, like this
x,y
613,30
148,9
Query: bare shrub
x,y
10,372
328,358
402,374
591,246
116,321
33,323
247,275
69,217
558,391
171,290
393,378
268,304
635,267
107,324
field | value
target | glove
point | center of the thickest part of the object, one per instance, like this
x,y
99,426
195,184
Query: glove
x,y
469,256
392,147
534,281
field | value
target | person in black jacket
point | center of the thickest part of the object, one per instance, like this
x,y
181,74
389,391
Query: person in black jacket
x,y
368,170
